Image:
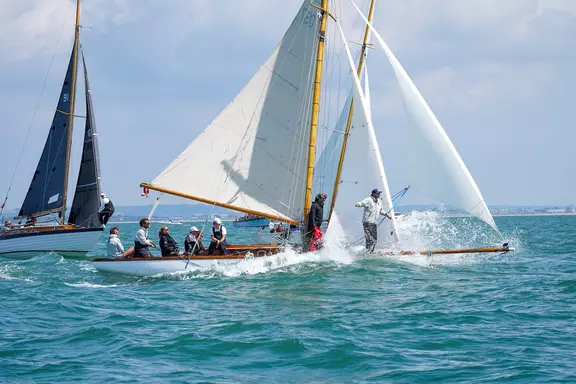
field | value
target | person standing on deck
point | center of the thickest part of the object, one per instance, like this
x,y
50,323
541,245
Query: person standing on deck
x,y
141,242
315,218
372,210
218,238
107,211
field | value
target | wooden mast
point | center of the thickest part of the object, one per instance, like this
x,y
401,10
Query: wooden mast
x,y
315,110
349,121
71,115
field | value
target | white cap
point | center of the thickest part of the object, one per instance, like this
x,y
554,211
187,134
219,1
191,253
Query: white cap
x,y
103,194
193,229
217,221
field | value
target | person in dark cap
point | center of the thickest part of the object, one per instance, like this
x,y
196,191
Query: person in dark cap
x,y
372,210
315,218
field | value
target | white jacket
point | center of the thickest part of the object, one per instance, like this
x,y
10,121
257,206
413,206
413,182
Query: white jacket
x,y
372,210
114,247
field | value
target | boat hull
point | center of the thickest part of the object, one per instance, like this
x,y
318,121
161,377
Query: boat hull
x,y
64,240
174,264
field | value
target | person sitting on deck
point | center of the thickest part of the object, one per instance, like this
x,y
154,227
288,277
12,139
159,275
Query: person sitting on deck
x,y
168,246
218,238
7,226
141,242
114,247
193,243
31,222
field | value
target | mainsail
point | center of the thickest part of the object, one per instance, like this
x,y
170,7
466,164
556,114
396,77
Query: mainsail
x,y
252,157
363,169
440,169
47,189
86,202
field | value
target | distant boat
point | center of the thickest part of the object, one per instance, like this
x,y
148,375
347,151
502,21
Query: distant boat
x,y
47,194
170,222
250,221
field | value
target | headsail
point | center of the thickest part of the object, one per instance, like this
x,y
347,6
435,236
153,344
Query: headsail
x,y
441,170
363,169
252,157
46,191
327,165
87,196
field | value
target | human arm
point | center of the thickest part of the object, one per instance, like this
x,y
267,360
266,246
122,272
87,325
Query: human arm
x,y
119,246
361,203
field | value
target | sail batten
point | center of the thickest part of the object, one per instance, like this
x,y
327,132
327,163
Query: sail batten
x,y
253,155
439,165
86,203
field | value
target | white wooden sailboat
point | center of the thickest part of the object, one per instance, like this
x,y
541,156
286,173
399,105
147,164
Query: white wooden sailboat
x,y
47,195
258,155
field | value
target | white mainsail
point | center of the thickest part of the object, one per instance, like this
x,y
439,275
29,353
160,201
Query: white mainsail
x,y
254,154
363,169
441,171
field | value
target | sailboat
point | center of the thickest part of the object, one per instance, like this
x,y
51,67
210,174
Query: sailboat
x,y
259,154
47,195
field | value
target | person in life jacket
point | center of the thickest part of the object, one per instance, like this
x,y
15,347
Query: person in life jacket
x,y
315,218
218,238
372,210
141,242
107,211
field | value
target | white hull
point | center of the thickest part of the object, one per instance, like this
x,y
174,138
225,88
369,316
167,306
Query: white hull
x,y
157,265
68,243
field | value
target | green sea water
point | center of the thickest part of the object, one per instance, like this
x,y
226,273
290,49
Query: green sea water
x,y
329,319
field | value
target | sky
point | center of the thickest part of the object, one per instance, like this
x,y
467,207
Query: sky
x,y
499,76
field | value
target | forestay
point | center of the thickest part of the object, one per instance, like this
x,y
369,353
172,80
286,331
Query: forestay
x,y
363,169
438,169
253,155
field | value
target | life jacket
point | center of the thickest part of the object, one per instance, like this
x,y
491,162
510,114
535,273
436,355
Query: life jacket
x,y
217,233
109,207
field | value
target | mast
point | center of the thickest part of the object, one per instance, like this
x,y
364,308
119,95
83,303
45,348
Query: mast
x,y
349,122
315,110
71,114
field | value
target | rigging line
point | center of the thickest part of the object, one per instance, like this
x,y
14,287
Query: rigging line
x,y
33,117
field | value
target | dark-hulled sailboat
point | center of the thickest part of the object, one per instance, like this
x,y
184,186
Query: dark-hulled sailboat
x,y
47,194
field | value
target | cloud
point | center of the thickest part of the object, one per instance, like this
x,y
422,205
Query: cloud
x,y
167,68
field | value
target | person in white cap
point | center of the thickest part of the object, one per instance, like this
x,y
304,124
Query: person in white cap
x,y
218,237
107,211
193,242
372,210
